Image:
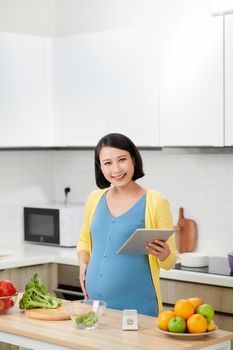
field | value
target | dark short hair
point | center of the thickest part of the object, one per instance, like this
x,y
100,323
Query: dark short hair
x,y
121,142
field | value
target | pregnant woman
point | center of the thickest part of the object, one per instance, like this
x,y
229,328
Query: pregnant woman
x,y
112,214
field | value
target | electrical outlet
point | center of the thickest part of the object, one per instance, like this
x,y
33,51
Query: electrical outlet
x,y
67,190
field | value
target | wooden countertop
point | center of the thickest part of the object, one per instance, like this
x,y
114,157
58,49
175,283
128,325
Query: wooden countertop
x,y
108,336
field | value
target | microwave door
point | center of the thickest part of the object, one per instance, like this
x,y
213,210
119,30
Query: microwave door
x,y
41,225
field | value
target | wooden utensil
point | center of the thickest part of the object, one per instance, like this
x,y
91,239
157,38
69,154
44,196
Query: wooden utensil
x,y
186,233
59,314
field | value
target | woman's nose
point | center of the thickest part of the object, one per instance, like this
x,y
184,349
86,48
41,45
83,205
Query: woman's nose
x,y
116,167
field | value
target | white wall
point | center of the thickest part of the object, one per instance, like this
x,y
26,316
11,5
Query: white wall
x,y
85,16
68,17
34,17
199,180
25,178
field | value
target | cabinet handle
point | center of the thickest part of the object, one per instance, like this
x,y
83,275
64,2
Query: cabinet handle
x,y
70,292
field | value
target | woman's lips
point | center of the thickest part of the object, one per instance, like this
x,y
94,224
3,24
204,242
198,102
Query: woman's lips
x,y
119,177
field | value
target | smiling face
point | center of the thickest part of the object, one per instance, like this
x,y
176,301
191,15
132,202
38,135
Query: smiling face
x,y
117,166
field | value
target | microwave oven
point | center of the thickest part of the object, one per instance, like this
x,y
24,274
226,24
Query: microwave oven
x,y
53,225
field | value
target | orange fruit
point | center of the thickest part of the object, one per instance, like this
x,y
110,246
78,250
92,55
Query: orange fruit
x,y
196,302
197,324
184,308
163,319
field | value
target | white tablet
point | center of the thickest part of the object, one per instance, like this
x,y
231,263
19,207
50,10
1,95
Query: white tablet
x,y
136,244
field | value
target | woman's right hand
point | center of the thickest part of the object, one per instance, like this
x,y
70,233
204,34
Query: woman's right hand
x,y
82,278
84,258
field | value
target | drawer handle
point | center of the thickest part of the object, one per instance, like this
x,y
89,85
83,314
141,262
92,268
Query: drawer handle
x,y
67,291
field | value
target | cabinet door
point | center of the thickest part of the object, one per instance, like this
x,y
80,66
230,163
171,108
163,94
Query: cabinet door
x,y
24,89
229,80
21,275
107,82
191,85
4,274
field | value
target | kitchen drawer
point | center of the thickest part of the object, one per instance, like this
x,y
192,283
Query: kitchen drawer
x,y
219,297
68,284
68,275
4,346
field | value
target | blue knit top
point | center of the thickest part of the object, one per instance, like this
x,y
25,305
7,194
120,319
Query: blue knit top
x,y
123,281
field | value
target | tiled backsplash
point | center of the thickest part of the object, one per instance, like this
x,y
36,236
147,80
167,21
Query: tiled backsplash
x,y
200,181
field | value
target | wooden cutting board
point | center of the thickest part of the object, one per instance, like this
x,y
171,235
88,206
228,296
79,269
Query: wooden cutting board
x,y
186,233
58,314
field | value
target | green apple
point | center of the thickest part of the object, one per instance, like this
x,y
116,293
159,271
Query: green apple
x,y
177,325
206,310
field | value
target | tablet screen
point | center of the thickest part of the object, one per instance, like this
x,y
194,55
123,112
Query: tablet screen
x,y
136,244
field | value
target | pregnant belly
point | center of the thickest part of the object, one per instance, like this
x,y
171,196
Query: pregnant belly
x,y
117,275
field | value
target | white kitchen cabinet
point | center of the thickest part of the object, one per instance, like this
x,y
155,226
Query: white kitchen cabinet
x,y
191,75
105,82
229,80
25,90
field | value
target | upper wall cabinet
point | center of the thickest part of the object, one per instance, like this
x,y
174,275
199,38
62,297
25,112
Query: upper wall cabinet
x,y
105,82
229,80
25,92
191,75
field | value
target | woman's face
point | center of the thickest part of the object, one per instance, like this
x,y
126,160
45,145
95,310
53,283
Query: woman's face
x,y
117,165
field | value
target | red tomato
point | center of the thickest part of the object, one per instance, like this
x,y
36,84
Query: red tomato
x,y
9,303
2,306
7,288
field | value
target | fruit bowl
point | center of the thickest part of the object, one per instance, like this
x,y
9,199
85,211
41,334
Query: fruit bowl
x,y
86,314
7,303
187,336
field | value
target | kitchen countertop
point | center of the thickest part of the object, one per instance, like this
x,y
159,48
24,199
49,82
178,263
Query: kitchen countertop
x,y
16,328
33,254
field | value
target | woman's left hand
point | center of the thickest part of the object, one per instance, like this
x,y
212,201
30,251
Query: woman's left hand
x,y
158,248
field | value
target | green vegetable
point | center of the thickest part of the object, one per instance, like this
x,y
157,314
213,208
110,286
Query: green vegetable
x,y
36,282
86,319
36,295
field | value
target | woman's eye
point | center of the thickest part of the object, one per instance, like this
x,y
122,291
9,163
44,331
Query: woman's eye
x,y
107,163
122,159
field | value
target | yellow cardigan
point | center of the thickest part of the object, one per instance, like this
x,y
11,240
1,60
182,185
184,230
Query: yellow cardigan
x,y
157,215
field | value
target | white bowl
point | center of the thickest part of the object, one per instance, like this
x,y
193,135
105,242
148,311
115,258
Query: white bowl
x,y
194,260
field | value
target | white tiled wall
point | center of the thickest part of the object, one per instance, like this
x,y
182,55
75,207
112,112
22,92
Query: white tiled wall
x,y
25,178
201,183
199,180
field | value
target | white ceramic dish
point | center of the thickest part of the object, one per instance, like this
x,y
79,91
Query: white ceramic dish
x,y
187,336
194,259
